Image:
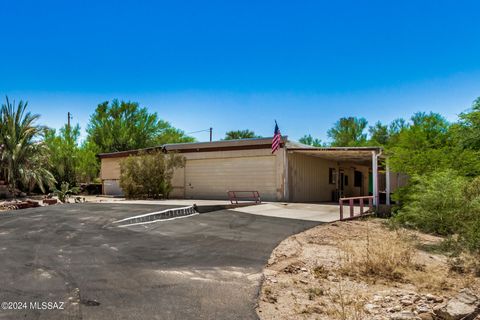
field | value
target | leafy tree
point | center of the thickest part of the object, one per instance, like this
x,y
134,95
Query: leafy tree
x,y
172,135
240,134
120,126
379,134
88,165
422,147
22,154
311,141
384,135
467,130
63,149
35,172
149,175
69,161
348,132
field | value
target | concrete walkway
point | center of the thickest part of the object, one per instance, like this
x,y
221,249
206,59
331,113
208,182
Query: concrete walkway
x,y
300,211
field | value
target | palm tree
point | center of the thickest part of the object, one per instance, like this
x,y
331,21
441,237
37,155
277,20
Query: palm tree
x,y
240,134
21,156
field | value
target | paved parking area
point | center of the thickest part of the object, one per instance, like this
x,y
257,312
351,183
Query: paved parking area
x,y
207,266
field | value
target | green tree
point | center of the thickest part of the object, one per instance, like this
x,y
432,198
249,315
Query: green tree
x,y
348,132
467,130
23,155
424,146
120,126
311,141
379,134
240,134
88,165
63,150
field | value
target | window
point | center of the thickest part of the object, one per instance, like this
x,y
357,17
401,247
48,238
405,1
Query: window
x,y
345,180
332,176
357,179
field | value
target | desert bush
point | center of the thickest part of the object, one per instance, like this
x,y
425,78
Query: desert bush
x,y
386,255
149,175
446,204
435,203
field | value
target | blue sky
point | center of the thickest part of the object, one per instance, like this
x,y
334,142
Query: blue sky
x,y
242,64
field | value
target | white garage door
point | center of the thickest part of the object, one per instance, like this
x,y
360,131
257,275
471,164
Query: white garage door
x,y
212,178
112,188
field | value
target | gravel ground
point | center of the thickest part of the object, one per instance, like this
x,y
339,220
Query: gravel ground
x,y
306,278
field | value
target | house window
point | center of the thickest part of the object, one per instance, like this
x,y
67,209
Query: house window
x,y
332,176
345,180
357,179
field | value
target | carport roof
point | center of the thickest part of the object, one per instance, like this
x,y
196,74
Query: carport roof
x,y
359,155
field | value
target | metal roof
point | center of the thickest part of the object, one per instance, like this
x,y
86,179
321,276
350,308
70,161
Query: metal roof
x,y
355,154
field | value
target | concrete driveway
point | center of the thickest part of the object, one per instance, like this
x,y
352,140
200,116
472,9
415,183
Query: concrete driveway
x,y
206,266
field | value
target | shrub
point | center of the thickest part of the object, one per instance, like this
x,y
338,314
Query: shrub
x,y
434,203
65,191
149,175
444,203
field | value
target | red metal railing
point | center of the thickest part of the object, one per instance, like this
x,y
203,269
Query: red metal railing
x,y
351,204
235,196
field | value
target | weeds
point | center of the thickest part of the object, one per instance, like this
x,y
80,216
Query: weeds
x,y
386,255
345,306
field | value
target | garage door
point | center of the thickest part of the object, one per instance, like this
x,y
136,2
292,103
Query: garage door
x,y
112,188
212,178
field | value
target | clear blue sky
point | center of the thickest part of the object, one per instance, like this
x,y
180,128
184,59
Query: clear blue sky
x,y
242,64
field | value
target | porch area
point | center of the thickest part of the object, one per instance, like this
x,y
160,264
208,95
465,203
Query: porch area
x,y
325,175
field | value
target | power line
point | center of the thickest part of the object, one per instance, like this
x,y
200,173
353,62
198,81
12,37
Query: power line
x,y
198,131
206,130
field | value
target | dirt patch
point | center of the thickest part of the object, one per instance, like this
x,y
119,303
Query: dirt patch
x,y
359,270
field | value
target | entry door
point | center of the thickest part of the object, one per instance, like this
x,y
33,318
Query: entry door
x,y
341,183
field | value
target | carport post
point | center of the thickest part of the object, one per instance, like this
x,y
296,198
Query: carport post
x,y
286,195
375,178
387,183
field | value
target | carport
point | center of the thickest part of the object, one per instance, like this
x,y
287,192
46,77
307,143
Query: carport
x,y
328,174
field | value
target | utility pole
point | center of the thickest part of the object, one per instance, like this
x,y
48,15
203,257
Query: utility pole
x,y
69,115
211,129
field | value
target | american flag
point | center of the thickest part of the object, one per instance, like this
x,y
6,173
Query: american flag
x,y
277,138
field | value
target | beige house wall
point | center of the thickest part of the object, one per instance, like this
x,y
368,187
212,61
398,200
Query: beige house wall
x,y
213,173
110,168
309,178
253,169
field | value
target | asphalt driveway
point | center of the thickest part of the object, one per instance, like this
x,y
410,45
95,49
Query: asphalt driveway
x,y
206,266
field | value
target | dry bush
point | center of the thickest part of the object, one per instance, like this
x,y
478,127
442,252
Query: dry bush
x,y
344,305
388,255
465,263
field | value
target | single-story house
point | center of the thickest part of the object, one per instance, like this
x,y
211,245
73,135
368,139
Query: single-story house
x,y
294,173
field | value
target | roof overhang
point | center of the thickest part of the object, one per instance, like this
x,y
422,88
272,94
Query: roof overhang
x,y
223,145
358,155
